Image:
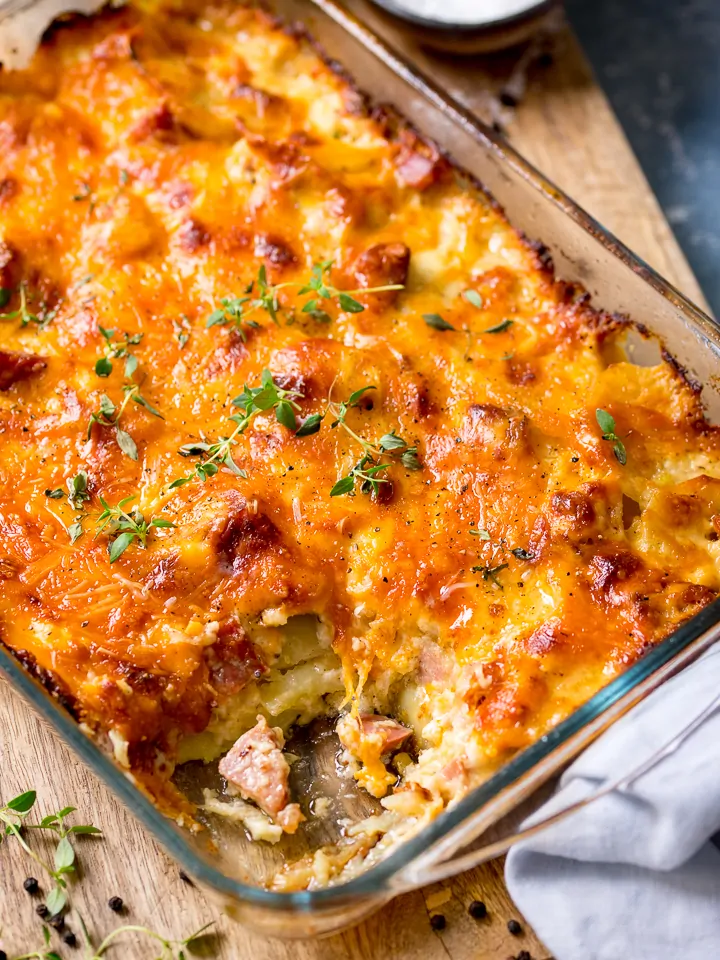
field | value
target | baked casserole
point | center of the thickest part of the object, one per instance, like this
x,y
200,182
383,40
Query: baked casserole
x,y
296,425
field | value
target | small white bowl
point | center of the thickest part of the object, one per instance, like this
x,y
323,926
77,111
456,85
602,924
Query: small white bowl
x,y
486,31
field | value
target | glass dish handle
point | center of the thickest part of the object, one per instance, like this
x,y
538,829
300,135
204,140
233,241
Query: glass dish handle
x,y
418,875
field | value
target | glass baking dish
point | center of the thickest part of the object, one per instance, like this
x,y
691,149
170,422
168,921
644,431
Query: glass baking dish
x,y
619,282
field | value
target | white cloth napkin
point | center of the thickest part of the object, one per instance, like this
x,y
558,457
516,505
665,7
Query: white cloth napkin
x,y
635,875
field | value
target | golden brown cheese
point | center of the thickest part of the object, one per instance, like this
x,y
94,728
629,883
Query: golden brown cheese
x,y
150,164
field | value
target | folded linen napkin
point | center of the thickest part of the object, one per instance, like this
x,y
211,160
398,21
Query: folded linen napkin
x,y
634,875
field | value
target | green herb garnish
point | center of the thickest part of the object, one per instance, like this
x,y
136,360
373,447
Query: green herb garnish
x,y
490,573
500,327
437,322
182,330
116,350
77,495
607,425
377,458
25,316
262,295
252,400
125,527
108,415
84,192
522,554
473,297
482,534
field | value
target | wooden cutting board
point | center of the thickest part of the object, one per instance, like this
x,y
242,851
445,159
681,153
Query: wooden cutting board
x,y
564,125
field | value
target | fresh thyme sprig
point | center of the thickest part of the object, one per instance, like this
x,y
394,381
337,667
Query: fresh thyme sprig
x,y
125,527
607,425
14,813
376,458
117,350
23,313
252,400
108,415
77,495
181,329
232,311
260,294
171,949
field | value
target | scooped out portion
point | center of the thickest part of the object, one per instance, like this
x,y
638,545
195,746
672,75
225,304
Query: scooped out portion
x,y
256,768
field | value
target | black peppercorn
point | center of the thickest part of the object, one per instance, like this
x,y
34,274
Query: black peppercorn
x,y
546,59
42,911
116,904
514,928
508,99
438,921
31,885
524,955
70,939
477,910
57,921
3,955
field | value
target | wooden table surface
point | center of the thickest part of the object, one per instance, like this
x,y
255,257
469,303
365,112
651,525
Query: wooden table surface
x,y
563,125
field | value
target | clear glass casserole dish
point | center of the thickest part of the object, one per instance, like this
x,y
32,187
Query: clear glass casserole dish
x,y
618,282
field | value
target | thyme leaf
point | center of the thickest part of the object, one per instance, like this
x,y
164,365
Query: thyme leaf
x,y
500,327
437,322
607,425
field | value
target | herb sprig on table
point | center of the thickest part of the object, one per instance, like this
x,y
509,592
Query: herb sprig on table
x,y
171,949
14,816
14,820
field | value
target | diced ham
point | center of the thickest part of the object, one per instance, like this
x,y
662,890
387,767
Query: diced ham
x,y
232,660
15,367
391,733
381,265
418,164
257,767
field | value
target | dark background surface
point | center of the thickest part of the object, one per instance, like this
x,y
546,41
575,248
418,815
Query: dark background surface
x,y
658,61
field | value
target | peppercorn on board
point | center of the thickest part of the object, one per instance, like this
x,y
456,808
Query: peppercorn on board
x,y
420,507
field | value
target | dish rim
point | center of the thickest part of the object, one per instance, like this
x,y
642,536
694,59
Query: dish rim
x,y
373,884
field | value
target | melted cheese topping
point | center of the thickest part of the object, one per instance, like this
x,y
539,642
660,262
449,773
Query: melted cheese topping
x,y
152,161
